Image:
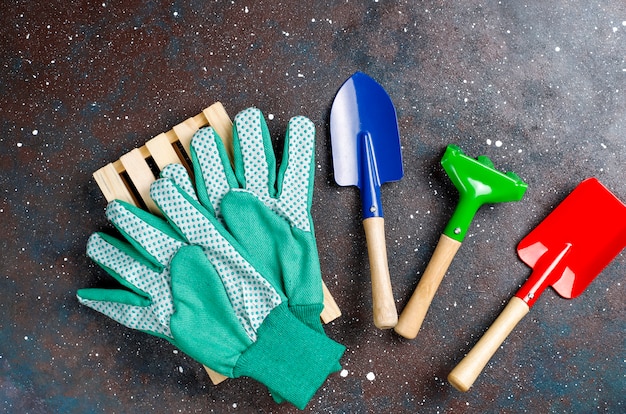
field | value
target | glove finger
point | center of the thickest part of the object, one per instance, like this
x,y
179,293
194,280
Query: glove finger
x,y
124,263
255,164
126,308
185,214
179,174
297,170
214,175
150,235
114,296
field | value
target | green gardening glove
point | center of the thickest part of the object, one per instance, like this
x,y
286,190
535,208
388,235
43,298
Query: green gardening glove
x,y
269,214
191,282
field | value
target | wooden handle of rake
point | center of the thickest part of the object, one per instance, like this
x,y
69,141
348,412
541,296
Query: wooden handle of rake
x,y
415,311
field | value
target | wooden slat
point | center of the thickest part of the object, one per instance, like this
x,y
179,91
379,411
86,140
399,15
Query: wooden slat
x,y
221,123
162,152
184,132
331,310
112,185
141,175
215,377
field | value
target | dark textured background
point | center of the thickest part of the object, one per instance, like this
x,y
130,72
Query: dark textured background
x,y
537,86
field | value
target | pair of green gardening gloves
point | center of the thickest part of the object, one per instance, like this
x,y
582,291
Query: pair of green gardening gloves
x,y
231,275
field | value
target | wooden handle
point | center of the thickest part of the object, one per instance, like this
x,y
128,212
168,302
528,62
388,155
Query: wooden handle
x,y
465,373
331,310
384,306
414,313
215,376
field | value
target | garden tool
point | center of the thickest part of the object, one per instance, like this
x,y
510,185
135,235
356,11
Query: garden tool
x,y
366,153
567,250
478,183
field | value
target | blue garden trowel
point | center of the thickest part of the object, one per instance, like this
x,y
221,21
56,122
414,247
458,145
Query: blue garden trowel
x,y
366,153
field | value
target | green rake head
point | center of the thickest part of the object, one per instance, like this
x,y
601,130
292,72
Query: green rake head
x,y
478,183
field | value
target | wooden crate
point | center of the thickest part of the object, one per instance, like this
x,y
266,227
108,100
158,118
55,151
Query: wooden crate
x,y
129,178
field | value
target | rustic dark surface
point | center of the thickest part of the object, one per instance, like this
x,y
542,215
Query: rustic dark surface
x,y
537,86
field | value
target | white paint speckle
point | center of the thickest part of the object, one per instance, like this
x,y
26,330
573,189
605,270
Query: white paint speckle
x,y
370,376
234,405
344,373
270,116
557,49
498,143
175,14
19,145
246,10
180,369
488,142
603,145
35,132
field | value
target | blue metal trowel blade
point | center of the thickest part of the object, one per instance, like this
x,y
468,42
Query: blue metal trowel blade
x,y
365,139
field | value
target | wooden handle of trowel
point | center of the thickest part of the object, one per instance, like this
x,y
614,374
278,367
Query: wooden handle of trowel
x,y
414,313
465,373
384,306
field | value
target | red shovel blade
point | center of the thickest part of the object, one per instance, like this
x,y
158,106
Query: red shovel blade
x,y
572,245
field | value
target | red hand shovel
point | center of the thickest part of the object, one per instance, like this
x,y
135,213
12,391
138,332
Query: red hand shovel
x,y
568,249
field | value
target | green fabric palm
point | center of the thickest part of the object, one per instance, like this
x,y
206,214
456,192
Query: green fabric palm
x,y
188,280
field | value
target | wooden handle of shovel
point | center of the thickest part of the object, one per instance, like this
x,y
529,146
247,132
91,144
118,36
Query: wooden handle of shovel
x,y
414,313
384,306
465,373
